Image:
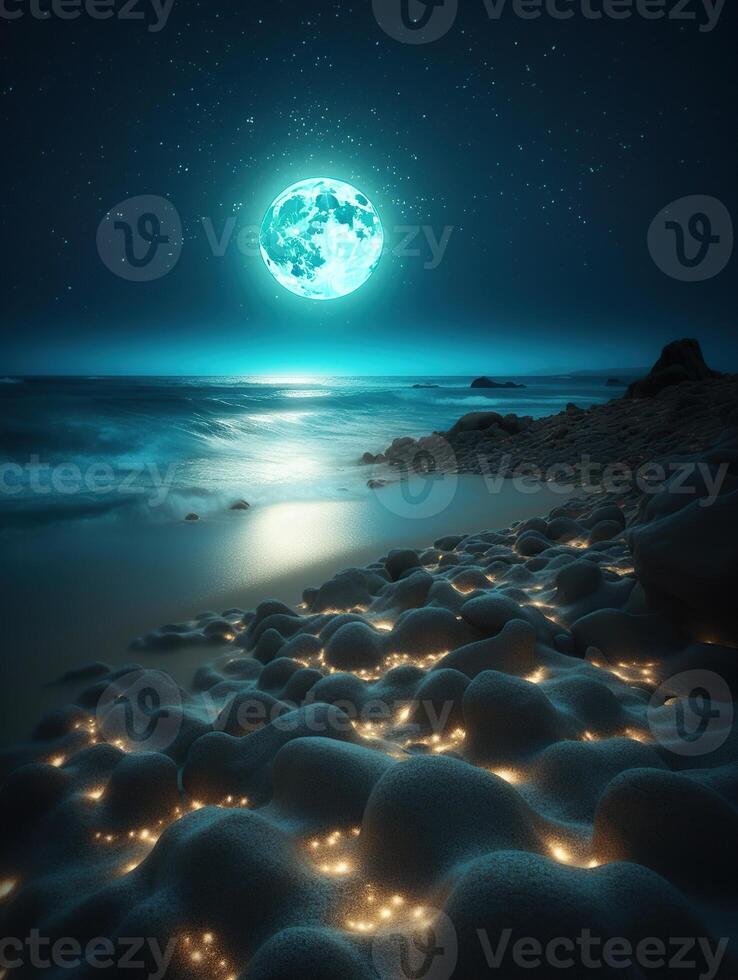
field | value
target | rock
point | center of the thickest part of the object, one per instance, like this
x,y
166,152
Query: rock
x,y
508,719
277,673
142,789
355,646
240,505
623,636
570,777
428,631
578,580
531,543
429,813
671,824
562,529
528,895
249,711
327,781
470,580
340,689
401,561
512,650
610,512
475,422
513,424
410,592
350,588
485,382
437,705
605,531
688,561
426,386
219,764
219,630
310,954
449,543
269,646
298,687
205,858
680,361
192,517
490,613
400,445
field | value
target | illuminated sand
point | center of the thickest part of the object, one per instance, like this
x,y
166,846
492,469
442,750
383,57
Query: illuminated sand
x,y
462,731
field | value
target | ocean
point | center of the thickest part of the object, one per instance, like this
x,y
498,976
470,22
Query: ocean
x,y
162,448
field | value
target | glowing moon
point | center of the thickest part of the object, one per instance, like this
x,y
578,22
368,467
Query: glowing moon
x,y
321,238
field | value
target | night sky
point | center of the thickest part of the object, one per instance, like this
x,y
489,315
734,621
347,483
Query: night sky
x,y
548,146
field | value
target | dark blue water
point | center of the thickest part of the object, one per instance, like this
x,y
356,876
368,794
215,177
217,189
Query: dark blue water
x,y
162,447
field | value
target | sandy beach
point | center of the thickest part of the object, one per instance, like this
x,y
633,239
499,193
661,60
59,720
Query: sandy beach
x,y
463,741
104,585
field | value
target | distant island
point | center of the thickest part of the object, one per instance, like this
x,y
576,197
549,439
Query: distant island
x,y
489,383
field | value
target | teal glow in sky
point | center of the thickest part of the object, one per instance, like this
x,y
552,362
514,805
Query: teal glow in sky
x,y
515,203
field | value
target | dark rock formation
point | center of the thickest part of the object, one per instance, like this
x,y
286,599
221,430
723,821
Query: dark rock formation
x,y
485,382
680,361
481,421
688,560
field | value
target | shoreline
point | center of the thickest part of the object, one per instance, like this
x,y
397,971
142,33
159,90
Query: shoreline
x,y
633,433
530,728
107,583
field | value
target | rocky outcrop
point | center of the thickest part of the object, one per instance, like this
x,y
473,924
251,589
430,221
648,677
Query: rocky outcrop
x,y
485,382
680,361
685,419
482,421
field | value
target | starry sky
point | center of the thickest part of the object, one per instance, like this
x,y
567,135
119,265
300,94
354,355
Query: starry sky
x,y
547,147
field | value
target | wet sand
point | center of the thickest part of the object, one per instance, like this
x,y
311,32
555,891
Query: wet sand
x,y
103,583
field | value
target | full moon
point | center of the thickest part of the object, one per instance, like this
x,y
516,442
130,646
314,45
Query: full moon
x,y
321,238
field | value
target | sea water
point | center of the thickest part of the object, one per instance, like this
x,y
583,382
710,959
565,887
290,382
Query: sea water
x,y
162,448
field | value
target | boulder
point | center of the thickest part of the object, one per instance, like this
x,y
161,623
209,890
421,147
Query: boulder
x,y
508,719
429,813
680,361
475,422
688,560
